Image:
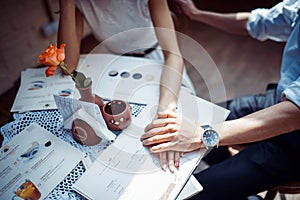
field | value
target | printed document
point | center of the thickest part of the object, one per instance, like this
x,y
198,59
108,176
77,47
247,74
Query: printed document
x,y
127,170
34,162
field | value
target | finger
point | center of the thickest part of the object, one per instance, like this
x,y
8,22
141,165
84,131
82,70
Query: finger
x,y
171,158
160,123
163,160
177,159
167,146
158,139
154,132
181,154
170,128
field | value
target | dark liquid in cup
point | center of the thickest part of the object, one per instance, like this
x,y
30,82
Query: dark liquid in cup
x,y
115,107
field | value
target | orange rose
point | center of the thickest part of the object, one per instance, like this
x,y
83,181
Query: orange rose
x,y
52,57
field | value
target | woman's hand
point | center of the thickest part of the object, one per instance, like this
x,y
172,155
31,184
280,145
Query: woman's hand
x,y
171,132
169,158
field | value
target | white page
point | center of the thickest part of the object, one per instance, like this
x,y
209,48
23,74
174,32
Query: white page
x,y
191,188
99,66
36,90
126,169
68,106
36,155
72,109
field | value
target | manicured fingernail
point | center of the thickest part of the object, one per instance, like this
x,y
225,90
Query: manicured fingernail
x,y
177,163
172,169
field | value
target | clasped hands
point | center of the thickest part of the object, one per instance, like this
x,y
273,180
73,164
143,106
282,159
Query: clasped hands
x,y
171,135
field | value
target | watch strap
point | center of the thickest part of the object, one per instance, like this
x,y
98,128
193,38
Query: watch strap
x,y
205,127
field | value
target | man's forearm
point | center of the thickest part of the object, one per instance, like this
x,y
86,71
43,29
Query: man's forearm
x,y
229,22
281,118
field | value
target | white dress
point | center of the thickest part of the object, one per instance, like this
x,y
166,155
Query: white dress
x,y
120,22
123,26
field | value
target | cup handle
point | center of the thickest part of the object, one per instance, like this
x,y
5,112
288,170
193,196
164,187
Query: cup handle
x,y
99,101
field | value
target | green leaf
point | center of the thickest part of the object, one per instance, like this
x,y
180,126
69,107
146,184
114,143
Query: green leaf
x,y
80,79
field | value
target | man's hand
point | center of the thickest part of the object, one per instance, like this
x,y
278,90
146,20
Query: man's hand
x,y
188,7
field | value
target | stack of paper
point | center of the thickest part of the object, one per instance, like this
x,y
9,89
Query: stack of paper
x,y
34,162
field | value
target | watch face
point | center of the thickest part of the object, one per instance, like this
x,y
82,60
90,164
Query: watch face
x,y
210,138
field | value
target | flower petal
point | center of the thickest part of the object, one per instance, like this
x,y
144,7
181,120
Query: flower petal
x,y
61,53
50,71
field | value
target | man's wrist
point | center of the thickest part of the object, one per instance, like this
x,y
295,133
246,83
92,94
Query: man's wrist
x,y
209,137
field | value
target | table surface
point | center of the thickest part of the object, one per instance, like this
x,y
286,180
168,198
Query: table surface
x,y
52,121
132,82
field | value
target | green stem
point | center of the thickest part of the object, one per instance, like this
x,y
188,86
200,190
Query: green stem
x,y
63,66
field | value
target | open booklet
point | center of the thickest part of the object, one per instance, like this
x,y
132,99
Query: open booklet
x,y
127,170
36,90
34,162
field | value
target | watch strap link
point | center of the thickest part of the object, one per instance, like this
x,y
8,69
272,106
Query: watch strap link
x,y
205,127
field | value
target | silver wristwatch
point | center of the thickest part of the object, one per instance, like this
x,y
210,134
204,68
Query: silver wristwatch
x,y
210,137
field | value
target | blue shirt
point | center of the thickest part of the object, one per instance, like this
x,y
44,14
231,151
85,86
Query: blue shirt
x,y
282,23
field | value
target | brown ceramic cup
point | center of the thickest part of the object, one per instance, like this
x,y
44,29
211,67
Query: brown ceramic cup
x,y
117,114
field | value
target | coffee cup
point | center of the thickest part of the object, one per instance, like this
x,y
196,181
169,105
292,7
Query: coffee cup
x,y
117,114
